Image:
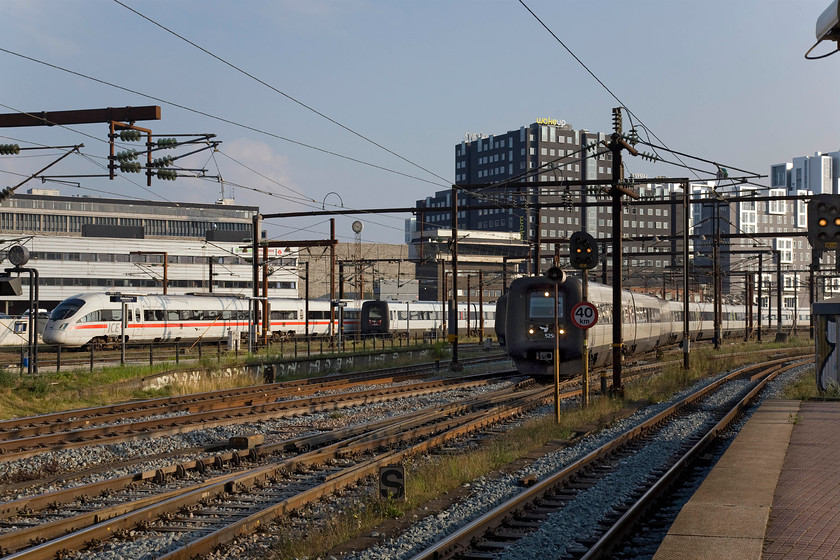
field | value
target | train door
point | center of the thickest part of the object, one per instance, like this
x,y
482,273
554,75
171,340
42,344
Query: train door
x,y
628,326
134,322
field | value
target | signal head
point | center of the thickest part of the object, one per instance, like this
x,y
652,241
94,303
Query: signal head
x,y
824,221
583,251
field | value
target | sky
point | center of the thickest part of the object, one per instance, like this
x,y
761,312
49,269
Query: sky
x,y
331,104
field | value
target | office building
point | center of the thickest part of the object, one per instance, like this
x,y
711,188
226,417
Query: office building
x,y
82,244
550,150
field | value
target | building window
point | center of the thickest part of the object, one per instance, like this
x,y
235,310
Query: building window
x,y
785,247
776,206
778,176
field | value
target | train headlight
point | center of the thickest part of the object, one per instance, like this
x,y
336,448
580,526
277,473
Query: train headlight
x,y
63,326
562,331
531,329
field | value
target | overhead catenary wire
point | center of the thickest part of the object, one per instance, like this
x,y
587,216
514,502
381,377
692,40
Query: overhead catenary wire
x,y
92,159
222,119
276,90
209,116
630,113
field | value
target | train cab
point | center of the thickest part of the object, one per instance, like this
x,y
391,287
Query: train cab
x,y
375,318
530,333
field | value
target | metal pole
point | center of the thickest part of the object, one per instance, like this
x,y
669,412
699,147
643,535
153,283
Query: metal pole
x,y
815,262
749,283
332,276
306,300
778,255
760,292
453,324
717,295
480,306
686,332
537,243
32,336
266,325
341,280
122,334
618,309
585,352
255,272
556,357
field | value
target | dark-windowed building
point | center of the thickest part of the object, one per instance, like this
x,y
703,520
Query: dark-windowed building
x,y
545,217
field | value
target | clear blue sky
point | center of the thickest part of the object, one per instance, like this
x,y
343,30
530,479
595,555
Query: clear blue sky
x,y
723,80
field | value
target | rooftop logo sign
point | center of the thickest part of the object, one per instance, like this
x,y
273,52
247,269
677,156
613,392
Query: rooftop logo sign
x,y
554,122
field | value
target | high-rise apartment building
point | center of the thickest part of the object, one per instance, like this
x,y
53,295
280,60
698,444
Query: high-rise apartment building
x,y
767,230
550,150
547,150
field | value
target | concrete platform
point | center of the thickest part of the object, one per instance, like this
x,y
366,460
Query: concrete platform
x,y
774,495
728,516
805,519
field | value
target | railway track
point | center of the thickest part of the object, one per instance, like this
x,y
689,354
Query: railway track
x,y
557,512
191,507
21,438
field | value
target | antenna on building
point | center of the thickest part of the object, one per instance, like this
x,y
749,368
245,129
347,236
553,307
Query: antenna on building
x,y
223,200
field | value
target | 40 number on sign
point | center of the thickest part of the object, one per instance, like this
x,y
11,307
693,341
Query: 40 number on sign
x,y
584,315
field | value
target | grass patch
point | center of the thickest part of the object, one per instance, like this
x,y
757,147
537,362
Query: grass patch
x,y
67,390
49,391
802,390
427,479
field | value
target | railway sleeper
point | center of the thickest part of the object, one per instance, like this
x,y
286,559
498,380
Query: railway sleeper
x,y
486,544
476,555
183,529
531,516
523,524
543,510
552,503
509,533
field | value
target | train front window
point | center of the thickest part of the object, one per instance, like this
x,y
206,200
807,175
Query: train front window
x,y
66,309
541,305
374,316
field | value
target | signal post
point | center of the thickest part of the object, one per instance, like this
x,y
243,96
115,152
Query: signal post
x,y
583,256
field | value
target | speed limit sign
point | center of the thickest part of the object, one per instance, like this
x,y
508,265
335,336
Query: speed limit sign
x,y
584,315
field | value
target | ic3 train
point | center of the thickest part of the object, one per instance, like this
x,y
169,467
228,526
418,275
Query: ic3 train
x,y
526,324
97,318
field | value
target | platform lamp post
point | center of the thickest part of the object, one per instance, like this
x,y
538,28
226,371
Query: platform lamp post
x,y
19,256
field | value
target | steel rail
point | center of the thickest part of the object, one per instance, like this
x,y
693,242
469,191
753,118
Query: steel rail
x,y
86,414
33,445
243,482
298,444
623,526
460,540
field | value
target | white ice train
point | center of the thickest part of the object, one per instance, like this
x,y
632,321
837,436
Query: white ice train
x,y
97,317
